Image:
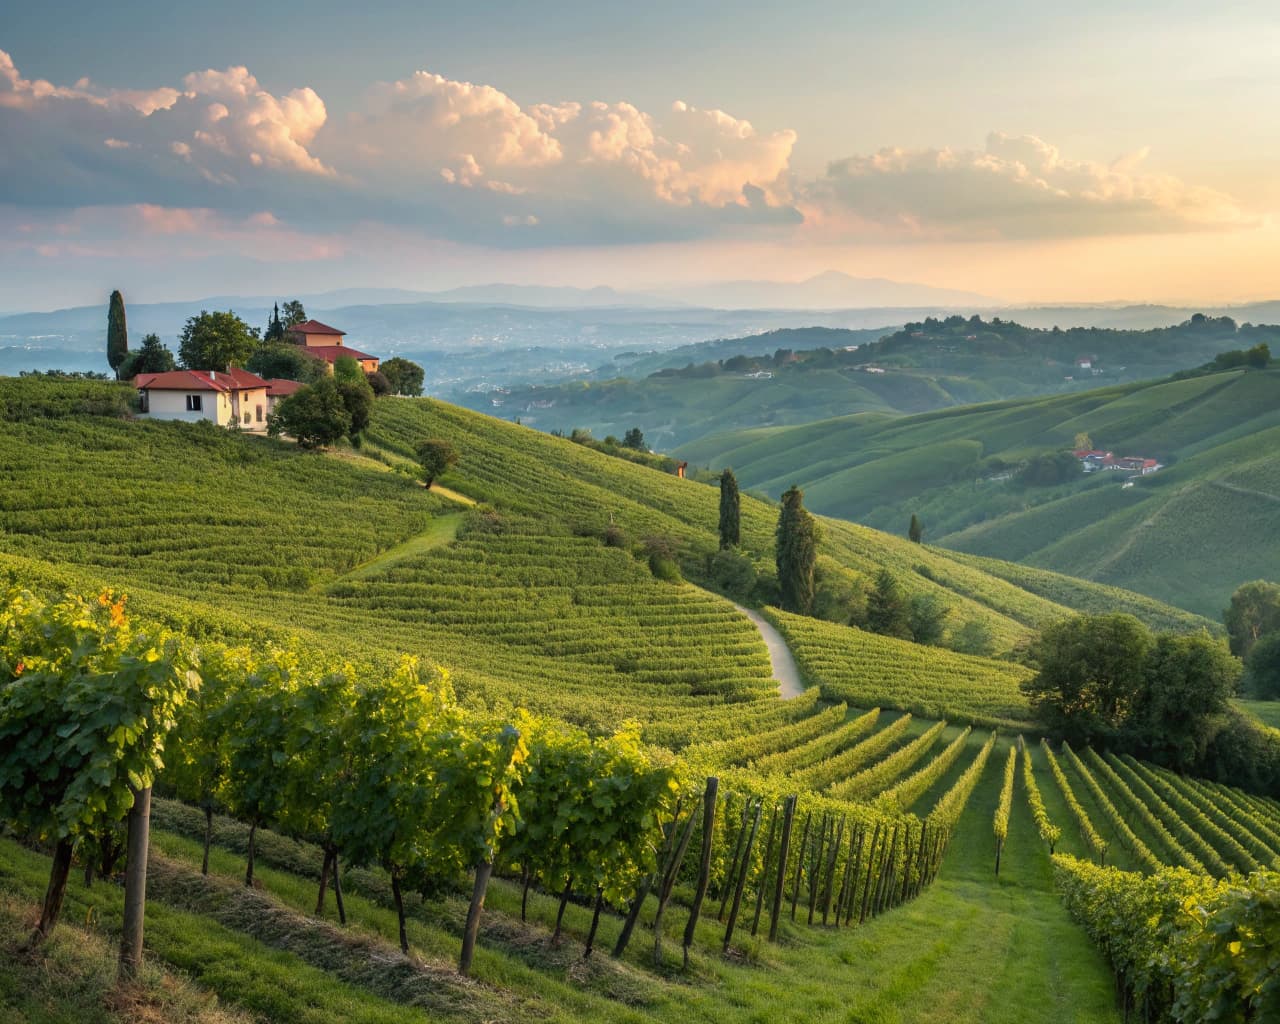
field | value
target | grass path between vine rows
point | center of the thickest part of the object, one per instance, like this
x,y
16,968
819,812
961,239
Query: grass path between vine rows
x,y
442,531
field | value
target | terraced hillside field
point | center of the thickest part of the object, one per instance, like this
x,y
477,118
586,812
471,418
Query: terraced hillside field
x,y
1216,434
529,600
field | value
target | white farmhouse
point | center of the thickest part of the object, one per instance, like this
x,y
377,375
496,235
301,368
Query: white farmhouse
x,y
236,397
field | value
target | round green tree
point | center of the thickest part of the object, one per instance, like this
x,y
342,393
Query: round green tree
x,y
435,455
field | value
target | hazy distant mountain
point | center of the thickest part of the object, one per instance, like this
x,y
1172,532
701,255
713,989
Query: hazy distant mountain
x,y
829,290
544,296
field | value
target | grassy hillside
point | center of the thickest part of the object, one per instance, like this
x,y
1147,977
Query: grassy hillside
x,y
958,469
530,598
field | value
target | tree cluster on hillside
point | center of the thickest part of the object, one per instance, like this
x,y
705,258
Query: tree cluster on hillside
x,y
405,377
216,341
151,357
1109,681
1253,626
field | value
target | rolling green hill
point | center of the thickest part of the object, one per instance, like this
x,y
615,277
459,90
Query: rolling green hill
x,y
540,596
795,376
1215,504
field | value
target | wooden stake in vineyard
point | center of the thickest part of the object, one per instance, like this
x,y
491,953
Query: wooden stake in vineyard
x,y
704,868
784,848
135,884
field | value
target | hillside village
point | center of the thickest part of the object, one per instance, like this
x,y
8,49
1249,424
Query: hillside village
x,y
237,397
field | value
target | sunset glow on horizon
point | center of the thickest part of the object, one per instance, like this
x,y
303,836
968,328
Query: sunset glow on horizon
x,y
1009,153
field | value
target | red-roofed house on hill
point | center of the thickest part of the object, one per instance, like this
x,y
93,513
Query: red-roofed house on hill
x,y
236,397
325,342
278,389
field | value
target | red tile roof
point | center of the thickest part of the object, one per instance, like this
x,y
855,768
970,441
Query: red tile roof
x,y
199,380
315,327
330,353
278,387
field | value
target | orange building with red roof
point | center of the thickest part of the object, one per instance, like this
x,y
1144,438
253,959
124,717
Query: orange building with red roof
x,y
325,342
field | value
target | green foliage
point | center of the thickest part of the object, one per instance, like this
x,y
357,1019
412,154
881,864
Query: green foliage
x,y
926,617
1091,671
315,415
216,341
36,399
1263,664
1189,680
293,313
888,612
357,398
1000,822
1049,832
1185,947
1254,612
634,439
435,455
730,526
347,368
1049,468
85,704
117,332
150,357
915,532
286,362
1257,358
406,377
1088,833
796,553
378,381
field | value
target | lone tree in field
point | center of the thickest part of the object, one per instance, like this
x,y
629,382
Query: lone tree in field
x,y
797,553
435,455
730,511
916,530
117,331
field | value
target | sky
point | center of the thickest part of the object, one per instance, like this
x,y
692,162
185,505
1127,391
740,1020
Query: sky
x,y
1031,151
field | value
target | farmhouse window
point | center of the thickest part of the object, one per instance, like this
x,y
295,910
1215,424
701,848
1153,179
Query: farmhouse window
x,y
194,403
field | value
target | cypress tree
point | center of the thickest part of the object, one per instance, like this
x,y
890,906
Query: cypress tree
x,y
730,510
797,553
916,530
275,329
117,332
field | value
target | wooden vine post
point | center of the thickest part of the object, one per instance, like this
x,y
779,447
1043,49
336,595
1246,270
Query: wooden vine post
x,y
784,848
741,880
135,884
704,867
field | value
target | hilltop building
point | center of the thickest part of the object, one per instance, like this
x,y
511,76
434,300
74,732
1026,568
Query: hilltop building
x,y
325,342
234,398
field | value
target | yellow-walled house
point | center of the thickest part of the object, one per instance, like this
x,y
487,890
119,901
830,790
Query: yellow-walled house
x,y
325,342
234,397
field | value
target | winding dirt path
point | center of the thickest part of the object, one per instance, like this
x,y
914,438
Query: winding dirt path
x,y
785,669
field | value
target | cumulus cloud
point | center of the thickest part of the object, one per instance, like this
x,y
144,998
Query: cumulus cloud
x,y
466,161
1016,187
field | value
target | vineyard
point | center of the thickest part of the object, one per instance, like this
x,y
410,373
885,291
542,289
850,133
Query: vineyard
x,y
484,762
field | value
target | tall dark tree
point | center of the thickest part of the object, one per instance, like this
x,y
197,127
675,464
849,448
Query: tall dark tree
x,y
634,438
730,511
888,611
117,331
797,553
916,530
1188,683
1254,612
150,357
275,329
